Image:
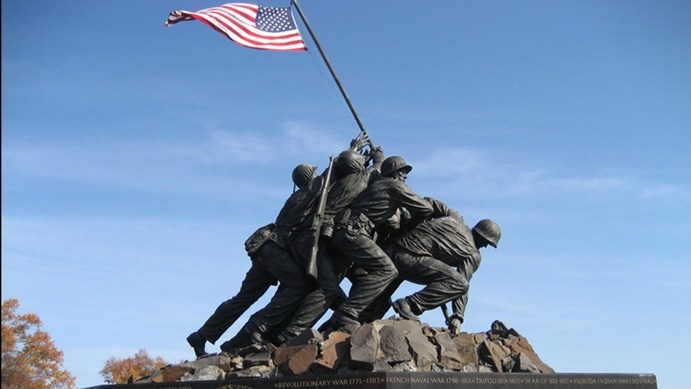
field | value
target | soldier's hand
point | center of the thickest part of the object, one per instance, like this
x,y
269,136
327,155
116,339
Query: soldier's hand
x,y
405,217
377,154
359,142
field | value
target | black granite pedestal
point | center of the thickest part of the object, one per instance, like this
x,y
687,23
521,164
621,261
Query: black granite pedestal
x,y
418,380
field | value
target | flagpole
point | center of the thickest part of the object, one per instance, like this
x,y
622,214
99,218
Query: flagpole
x,y
333,74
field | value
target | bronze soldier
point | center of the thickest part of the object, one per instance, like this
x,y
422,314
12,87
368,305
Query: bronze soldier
x,y
352,177
354,237
441,253
269,248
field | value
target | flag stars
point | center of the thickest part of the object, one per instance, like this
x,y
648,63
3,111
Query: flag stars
x,y
274,19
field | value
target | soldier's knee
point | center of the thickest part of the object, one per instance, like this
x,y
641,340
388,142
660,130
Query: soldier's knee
x,y
391,272
332,292
329,288
459,282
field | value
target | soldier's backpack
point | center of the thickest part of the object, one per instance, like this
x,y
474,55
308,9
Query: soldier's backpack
x,y
258,238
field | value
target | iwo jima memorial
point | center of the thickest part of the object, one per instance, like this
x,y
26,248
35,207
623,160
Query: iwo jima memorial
x,y
357,220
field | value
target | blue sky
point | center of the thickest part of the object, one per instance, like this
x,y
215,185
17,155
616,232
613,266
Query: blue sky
x,y
136,159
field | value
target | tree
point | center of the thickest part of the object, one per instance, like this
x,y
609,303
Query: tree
x,y
120,371
29,356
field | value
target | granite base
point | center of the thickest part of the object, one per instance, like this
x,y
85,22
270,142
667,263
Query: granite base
x,y
417,380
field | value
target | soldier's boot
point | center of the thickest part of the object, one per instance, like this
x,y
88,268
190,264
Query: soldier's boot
x,y
343,323
403,309
197,341
249,335
454,324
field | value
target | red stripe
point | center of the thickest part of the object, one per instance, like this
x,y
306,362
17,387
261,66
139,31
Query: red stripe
x,y
224,18
249,35
232,17
253,9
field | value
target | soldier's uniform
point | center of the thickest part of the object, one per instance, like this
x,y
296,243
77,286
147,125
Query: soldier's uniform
x,y
352,178
270,249
440,254
354,239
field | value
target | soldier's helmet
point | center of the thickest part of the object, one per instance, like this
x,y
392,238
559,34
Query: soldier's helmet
x,y
393,164
489,230
303,174
349,162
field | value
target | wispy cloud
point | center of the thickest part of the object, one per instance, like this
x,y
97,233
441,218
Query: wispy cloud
x,y
588,184
484,172
222,162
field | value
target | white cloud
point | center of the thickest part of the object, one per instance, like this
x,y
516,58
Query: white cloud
x,y
588,184
482,172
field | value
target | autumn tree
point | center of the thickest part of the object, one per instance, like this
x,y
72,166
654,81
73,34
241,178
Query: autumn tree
x,y
120,371
29,356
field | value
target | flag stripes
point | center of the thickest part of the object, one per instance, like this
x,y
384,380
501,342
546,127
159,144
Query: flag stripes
x,y
250,25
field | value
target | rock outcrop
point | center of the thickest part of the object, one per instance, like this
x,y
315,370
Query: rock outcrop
x,y
384,345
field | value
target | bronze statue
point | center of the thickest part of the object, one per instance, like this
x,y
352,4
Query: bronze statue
x,y
441,253
354,172
358,219
354,237
269,248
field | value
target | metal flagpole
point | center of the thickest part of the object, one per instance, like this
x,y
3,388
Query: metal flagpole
x,y
333,74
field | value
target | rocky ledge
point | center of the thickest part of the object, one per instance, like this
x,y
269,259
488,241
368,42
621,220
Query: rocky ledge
x,y
391,345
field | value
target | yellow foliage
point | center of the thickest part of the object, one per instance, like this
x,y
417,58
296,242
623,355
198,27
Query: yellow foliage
x,y
122,371
29,356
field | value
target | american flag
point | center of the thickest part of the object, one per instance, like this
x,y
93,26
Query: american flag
x,y
250,25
